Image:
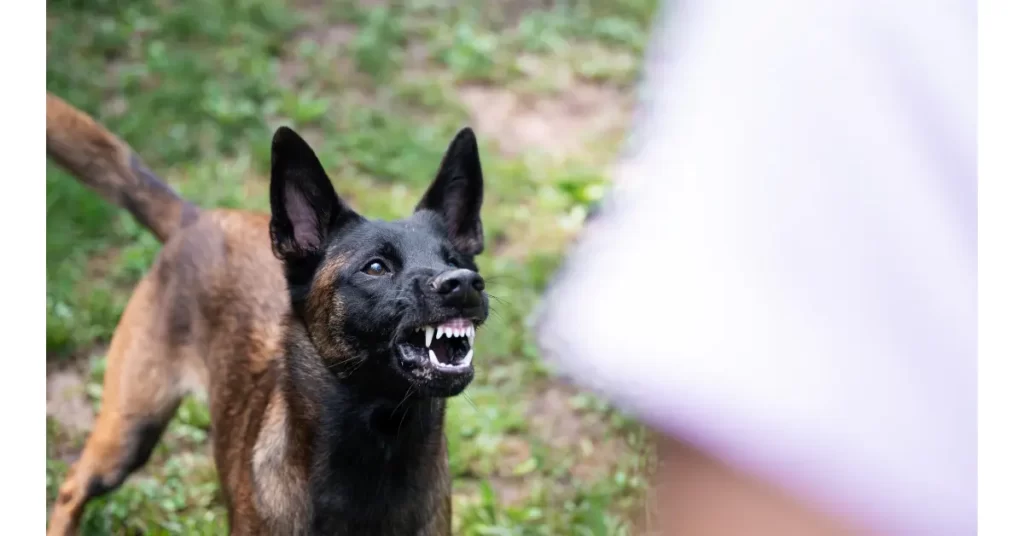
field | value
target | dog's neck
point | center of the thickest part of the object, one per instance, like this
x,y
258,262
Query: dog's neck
x,y
377,463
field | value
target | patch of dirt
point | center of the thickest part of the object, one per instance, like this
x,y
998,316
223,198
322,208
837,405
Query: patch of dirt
x,y
509,13
67,402
510,488
560,126
596,450
580,436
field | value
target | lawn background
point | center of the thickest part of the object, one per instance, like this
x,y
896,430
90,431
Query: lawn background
x,y
378,88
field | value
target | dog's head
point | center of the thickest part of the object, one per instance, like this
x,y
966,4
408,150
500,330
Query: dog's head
x,y
399,301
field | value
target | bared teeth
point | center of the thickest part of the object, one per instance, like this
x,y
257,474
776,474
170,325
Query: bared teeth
x,y
465,361
436,332
459,328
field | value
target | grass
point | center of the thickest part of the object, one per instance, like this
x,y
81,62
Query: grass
x,y
197,87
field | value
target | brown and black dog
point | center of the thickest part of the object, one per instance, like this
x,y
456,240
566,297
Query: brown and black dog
x,y
327,343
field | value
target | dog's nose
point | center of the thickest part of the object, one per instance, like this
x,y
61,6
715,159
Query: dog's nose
x,y
459,287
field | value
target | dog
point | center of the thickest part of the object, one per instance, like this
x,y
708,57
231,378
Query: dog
x,y
327,342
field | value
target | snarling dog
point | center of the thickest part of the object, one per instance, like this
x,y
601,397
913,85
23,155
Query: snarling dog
x,y
327,342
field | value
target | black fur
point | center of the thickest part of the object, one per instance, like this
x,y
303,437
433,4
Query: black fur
x,y
378,419
377,462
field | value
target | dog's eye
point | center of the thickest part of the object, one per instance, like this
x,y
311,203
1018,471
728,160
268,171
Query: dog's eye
x,y
375,268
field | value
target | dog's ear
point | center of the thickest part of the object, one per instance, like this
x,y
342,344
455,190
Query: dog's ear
x,y
457,194
303,205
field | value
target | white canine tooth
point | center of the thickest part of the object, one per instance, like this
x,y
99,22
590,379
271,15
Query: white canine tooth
x,y
467,359
433,357
430,335
471,335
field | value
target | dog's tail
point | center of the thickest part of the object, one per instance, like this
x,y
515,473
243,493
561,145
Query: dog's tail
x,y
107,164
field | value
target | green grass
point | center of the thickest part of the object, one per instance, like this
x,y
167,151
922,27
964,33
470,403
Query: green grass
x,y
197,88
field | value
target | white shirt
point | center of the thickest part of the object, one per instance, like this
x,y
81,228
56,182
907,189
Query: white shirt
x,y
786,275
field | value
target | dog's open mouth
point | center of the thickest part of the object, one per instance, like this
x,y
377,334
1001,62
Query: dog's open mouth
x,y
448,346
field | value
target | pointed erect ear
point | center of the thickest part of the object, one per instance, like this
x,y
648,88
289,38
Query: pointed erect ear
x,y
303,205
457,194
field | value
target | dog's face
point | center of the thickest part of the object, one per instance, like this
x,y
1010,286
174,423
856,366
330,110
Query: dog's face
x,y
400,301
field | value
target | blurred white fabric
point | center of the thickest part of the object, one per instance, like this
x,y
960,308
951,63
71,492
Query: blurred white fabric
x,y
786,274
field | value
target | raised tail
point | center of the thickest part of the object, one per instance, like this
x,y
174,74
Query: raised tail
x,y
108,165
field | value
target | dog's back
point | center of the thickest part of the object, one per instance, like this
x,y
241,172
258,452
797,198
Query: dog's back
x,y
215,275
209,309
215,287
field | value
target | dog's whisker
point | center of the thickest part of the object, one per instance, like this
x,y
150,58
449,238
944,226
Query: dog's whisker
x,y
343,363
353,370
497,299
349,367
471,403
404,398
506,285
503,277
401,422
495,313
